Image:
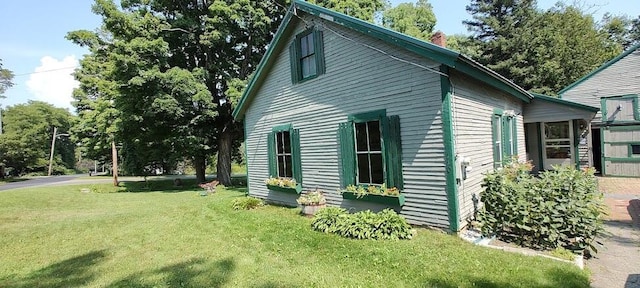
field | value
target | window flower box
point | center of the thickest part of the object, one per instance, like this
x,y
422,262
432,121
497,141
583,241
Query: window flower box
x,y
380,199
294,190
377,194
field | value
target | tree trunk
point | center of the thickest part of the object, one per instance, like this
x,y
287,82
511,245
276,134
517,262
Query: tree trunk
x,y
200,165
225,140
114,160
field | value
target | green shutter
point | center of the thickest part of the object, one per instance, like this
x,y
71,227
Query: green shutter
x,y
271,154
514,135
347,153
295,63
494,137
295,155
393,151
319,50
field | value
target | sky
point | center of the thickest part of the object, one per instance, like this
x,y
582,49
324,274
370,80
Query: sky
x,y
32,42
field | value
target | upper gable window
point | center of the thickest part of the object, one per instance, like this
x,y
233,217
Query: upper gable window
x,y
307,56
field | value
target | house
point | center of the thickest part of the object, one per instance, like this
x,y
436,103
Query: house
x,y
337,101
613,143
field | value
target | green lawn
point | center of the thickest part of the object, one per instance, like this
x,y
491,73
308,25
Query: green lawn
x,y
62,237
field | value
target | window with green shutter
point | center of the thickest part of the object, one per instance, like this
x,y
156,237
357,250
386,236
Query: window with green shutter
x,y
283,148
371,150
504,137
307,56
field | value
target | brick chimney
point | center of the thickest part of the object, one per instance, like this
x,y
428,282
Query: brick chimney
x,y
439,39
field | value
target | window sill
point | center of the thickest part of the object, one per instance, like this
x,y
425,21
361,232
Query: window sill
x,y
380,199
293,190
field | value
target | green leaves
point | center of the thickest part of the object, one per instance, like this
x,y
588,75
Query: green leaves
x,y
561,208
384,225
415,20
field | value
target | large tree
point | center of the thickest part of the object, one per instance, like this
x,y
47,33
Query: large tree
x,y
171,66
362,9
415,20
6,77
622,29
26,142
534,48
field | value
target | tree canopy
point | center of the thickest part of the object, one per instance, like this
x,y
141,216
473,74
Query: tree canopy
x,y
26,141
6,77
361,9
158,72
415,20
542,51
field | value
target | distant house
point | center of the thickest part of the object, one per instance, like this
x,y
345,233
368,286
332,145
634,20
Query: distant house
x,y
337,101
613,143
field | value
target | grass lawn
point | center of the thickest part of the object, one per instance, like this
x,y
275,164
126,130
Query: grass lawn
x,y
62,237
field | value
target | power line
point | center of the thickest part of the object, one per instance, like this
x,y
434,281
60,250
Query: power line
x,y
44,71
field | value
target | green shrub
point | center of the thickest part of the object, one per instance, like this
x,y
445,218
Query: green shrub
x,y
246,203
385,225
563,208
326,218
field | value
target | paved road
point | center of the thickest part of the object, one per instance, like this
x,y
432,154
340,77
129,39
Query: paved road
x,y
39,181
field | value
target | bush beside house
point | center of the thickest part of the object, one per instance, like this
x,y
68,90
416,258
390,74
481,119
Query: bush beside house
x,y
560,208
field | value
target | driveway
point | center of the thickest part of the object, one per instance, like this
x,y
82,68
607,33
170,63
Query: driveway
x,y
617,264
39,181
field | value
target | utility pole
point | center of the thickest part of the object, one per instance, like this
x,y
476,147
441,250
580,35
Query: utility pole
x,y
53,145
114,160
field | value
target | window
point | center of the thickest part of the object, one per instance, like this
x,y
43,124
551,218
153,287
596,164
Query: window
x,y
504,137
634,150
307,56
283,148
371,151
283,154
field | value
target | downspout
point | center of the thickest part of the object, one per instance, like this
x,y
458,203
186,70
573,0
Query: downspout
x,y
449,151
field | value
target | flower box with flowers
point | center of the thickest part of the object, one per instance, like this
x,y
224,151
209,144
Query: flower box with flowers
x,y
282,184
377,194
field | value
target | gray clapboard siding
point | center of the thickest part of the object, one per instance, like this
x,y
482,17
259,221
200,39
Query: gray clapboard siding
x,y
358,79
473,105
545,111
622,169
620,78
625,113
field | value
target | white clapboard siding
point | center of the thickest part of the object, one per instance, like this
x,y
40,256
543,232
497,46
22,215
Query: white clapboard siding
x,y
473,106
357,79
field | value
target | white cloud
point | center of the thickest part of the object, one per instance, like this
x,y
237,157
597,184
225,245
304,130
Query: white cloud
x,y
52,81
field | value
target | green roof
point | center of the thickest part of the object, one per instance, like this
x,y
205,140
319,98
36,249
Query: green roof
x,y
604,66
428,50
564,102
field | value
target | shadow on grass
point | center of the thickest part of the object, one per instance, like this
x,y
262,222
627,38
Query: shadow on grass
x,y
556,278
73,272
169,185
192,273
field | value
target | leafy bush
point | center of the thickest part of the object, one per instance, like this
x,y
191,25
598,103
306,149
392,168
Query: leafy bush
x,y
385,225
246,203
563,208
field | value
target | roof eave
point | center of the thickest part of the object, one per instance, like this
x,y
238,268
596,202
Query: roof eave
x,y
565,102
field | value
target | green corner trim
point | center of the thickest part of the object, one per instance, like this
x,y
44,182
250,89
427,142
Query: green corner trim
x,y
565,102
380,199
296,190
246,154
602,152
604,66
449,152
